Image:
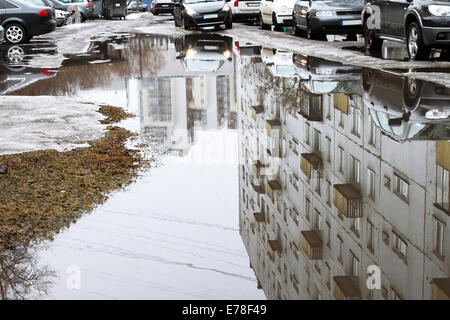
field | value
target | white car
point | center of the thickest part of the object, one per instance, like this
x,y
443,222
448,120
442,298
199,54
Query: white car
x,y
245,9
277,13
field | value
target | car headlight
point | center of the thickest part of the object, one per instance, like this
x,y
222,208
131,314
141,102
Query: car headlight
x,y
437,114
226,8
324,13
190,11
227,54
190,53
442,11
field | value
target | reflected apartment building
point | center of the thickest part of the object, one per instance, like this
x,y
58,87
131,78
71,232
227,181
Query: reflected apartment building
x,y
177,102
324,195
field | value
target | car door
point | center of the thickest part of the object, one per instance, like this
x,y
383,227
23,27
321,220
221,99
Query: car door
x,y
2,11
396,13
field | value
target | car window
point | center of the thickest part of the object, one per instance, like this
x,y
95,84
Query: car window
x,y
8,5
39,3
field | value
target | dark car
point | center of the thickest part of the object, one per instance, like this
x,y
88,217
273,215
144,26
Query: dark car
x,y
23,20
61,9
162,6
420,24
202,13
316,19
405,108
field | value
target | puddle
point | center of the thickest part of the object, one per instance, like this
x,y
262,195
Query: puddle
x,y
311,169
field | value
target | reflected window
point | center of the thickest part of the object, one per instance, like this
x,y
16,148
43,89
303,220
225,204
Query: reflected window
x,y
400,246
316,141
328,195
328,149
340,249
401,188
442,188
439,240
372,133
371,183
307,133
356,122
355,266
356,167
356,227
370,236
307,209
340,159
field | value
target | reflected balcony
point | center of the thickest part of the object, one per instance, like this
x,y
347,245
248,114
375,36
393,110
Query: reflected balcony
x,y
273,189
258,188
440,289
258,217
272,247
344,288
256,110
347,200
311,108
256,167
311,244
311,164
340,102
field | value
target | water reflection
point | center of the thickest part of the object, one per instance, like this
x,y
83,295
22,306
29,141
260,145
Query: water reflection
x,y
327,189
20,275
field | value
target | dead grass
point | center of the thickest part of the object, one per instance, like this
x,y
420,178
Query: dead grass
x,y
45,191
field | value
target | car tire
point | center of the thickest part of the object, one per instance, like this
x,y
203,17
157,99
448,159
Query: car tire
x,y
371,42
298,32
276,25
229,25
15,33
309,33
412,89
415,47
262,24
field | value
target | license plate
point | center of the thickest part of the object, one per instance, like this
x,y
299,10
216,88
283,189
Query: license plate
x,y
210,16
117,4
350,22
210,48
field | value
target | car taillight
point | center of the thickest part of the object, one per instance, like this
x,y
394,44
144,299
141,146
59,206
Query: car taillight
x,y
88,5
237,47
172,5
43,13
157,5
236,3
46,73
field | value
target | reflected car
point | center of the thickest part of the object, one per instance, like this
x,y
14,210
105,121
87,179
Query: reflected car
x,y
190,14
278,62
62,10
315,19
132,6
405,108
22,20
15,75
418,24
162,6
204,52
247,49
321,76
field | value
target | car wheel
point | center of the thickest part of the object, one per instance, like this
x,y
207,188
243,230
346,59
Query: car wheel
x,y
412,89
276,25
416,49
262,24
309,31
298,32
371,42
15,54
229,24
15,33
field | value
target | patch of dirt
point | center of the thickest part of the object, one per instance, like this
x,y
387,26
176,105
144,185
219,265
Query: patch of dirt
x,y
45,191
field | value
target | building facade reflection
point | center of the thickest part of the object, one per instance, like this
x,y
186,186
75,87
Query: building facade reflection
x,y
325,192
194,89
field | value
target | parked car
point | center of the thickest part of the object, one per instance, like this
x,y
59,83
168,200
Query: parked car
x,y
132,6
61,10
85,8
162,6
200,13
276,12
245,10
419,24
316,19
407,108
22,20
